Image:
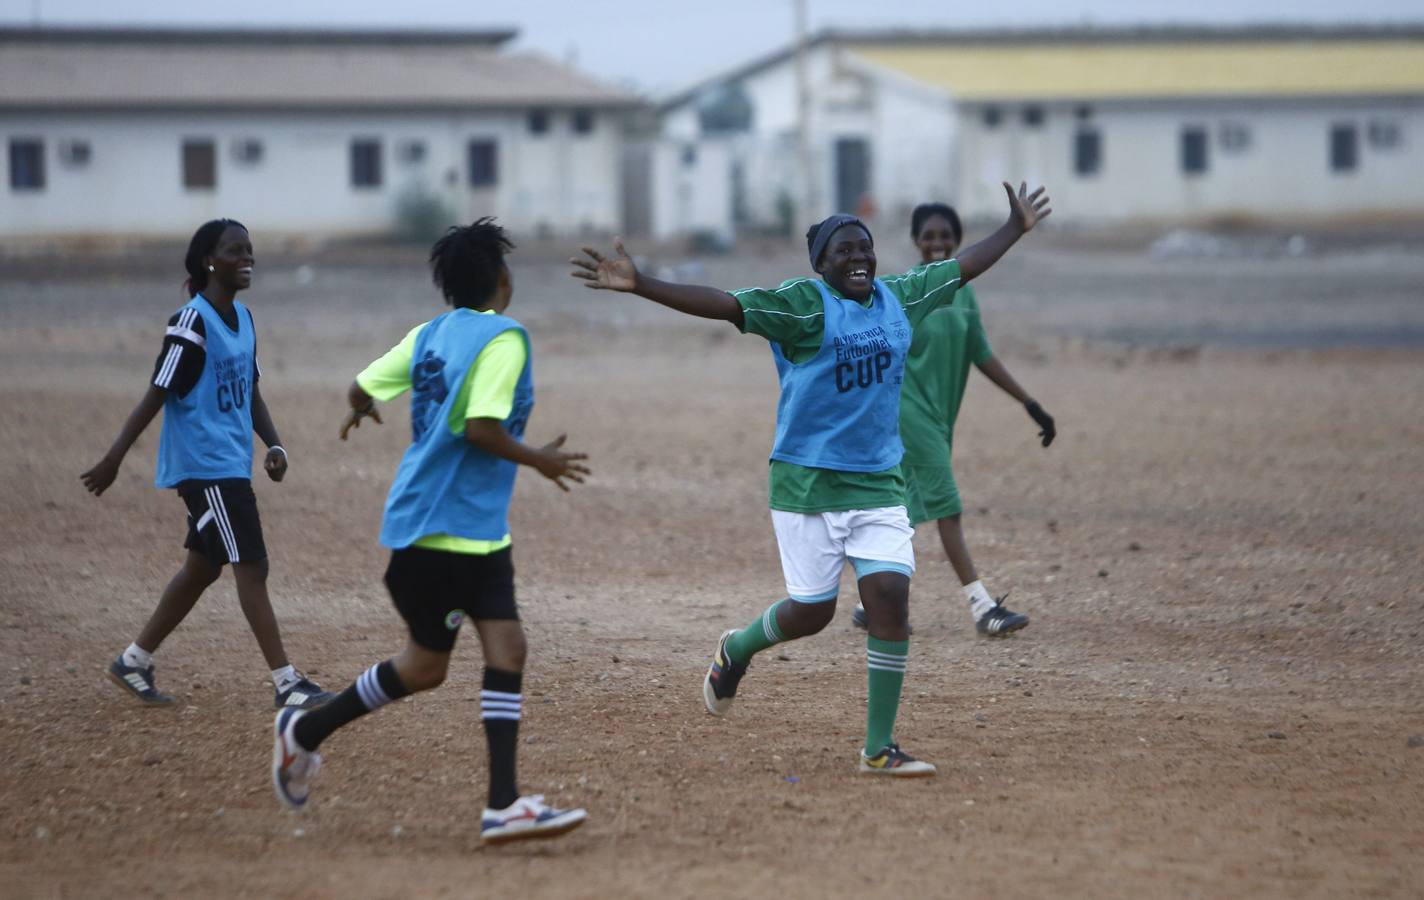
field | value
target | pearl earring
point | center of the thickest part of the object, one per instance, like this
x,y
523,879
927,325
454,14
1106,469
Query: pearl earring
x,y
211,269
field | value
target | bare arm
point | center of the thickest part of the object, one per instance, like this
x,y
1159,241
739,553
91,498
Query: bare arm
x,y
275,465
618,273
98,478
1025,211
996,372
554,464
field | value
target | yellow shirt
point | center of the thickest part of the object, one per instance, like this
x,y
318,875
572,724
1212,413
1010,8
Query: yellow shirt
x,y
487,392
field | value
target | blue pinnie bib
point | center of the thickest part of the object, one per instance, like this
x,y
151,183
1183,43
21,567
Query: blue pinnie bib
x,y
445,484
840,409
207,434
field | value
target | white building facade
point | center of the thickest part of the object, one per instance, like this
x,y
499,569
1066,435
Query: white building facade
x,y
1129,126
148,134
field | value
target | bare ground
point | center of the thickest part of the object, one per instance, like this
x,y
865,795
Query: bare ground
x,y
1221,557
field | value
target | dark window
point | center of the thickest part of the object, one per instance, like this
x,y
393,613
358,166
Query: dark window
x,y
200,165
1087,151
1084,113
1033,116
27,171
1344,148
992,116
1193,150
583,121
539,121
365,163
484,162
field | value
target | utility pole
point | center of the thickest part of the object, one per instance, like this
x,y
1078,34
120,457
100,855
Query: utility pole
x,y
807,202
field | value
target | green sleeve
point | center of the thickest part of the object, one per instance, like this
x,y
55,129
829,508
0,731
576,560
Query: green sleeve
x,y
925,288
976,341
389,377
490,382
792,315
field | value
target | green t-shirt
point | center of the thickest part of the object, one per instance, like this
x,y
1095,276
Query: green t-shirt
x,y
944,346
793,317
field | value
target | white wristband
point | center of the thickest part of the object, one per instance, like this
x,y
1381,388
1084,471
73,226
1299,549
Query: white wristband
x,y
280,449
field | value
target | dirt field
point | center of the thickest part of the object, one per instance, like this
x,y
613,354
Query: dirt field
x,y
1219,695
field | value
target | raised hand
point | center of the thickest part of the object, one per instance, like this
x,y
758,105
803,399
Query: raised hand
x,y
606,273
556,465
1027,210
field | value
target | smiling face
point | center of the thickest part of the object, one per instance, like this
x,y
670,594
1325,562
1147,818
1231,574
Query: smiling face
x,y
848,262
936,240
232,259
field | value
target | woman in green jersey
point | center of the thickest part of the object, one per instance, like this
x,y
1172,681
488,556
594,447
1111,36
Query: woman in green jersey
x,y
945,343
837,494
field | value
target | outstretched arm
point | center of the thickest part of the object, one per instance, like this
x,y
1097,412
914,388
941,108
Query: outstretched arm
x,y
102,474
997,373
1025,211
618,273
554,464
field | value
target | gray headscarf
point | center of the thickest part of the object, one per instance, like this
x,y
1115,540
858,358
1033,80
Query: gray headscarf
x,y
828,227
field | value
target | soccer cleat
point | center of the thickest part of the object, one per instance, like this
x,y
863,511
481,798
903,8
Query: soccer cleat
x,y
896,763
528,817
138,682
293,767
719,688
999,620
305,694
859,619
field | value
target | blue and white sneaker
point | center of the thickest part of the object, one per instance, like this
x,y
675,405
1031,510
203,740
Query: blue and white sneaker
x,y
528,817
305,694
293,767
139,683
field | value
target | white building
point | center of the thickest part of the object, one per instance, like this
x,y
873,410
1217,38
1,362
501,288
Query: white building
x,y
1126,125
149,133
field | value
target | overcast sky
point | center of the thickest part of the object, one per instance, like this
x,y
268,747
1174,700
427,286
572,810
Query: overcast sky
x,y
660,45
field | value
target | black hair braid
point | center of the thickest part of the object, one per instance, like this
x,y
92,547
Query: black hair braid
x,y
466,262
204,241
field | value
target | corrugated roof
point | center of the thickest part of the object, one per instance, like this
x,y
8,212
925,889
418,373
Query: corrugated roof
x,y
1103,71
1134,62
324,71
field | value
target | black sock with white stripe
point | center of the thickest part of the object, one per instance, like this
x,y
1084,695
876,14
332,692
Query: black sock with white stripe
x,y
501,705
376,687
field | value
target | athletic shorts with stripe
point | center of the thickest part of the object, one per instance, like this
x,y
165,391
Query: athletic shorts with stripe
x,y
434,590
223,524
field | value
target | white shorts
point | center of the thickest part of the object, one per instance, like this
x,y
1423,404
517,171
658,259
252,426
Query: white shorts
x,y
815,546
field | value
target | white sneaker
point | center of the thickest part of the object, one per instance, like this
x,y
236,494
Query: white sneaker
x,y
528,817
293,768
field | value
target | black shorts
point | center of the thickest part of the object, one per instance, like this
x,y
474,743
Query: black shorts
x,y
223,524
434,590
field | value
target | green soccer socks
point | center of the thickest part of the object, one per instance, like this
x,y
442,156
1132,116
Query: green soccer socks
x,y
885,665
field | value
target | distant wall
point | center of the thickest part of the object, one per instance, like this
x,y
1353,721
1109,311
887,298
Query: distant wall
x,y
560,181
